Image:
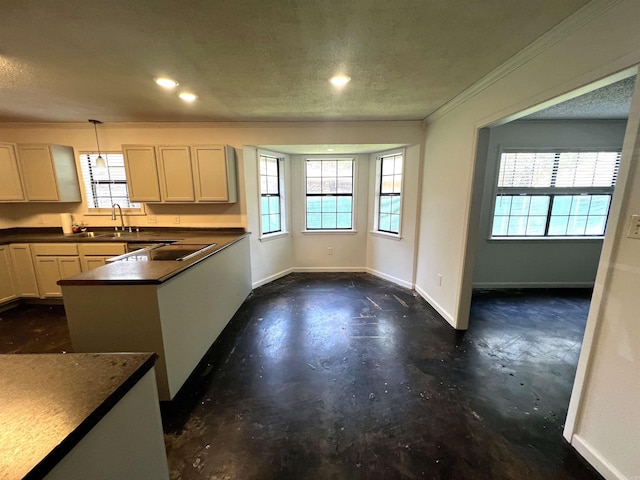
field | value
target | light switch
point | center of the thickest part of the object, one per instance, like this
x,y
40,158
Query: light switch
x,y
634,228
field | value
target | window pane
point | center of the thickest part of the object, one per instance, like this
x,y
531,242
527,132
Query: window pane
x,y
539,205
329,204
385,204
265,223
329,168
398,165
275,223
395,205
386,185
520,205
264,205
344,220
517,226
596,225
272,167
314,185
329,185
329,220
314,204
345,168
274,205
395,223
385,221
536,225
577,225
503,205
314,168
600,205
314,220
345,204
580,205
500,225
561,205
558,225
272,185
345,185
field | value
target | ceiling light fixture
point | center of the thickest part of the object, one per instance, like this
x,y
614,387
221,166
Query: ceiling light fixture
x,y
187,96
340,80
329,149
100,162
167,83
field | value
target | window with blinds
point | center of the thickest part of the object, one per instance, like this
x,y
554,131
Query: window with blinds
x,y
554,194
105,185
270,198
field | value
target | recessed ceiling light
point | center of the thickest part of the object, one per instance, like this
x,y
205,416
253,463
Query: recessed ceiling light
x,y
166,82
187,97
329,149
340,80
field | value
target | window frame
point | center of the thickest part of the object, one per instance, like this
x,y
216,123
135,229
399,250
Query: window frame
x,y
281,195
379,195
552,192
100,211
352,195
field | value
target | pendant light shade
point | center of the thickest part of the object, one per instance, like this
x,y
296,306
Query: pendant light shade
x,y
100,162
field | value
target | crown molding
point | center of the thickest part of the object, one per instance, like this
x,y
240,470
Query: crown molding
x,y
561,31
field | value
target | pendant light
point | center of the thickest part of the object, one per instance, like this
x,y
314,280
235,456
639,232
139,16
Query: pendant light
x,y
100,163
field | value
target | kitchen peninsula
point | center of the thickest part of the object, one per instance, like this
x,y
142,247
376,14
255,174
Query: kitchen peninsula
x,y
175,308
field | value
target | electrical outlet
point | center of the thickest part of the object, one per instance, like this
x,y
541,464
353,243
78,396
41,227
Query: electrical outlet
x,y
634,228
439,280
152,219
330,251
176,219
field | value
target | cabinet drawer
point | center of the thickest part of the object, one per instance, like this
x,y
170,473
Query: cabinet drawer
x,y
102,248
54,249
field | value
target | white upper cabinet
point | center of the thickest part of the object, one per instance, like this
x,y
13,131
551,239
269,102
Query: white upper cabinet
x,y
215,178
49,173
178,173
175,175
142,173
11,186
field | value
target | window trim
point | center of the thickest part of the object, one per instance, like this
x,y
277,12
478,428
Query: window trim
x,y
283,232
551,191
377,194
130,212
354,173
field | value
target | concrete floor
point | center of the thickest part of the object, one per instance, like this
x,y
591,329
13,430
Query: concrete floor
x,y
346,376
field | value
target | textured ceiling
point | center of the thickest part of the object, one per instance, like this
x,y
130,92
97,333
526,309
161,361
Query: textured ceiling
x,y
250,60
606,103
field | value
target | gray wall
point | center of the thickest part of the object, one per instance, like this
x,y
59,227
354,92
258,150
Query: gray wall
x,y
538,263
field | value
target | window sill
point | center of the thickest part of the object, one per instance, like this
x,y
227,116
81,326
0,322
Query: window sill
x,y
544,239
390,236
329,232
273,236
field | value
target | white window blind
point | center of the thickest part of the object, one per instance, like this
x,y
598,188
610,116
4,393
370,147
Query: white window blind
x,y
558,169
106,185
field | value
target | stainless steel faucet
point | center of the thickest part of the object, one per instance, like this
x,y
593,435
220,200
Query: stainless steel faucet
x,y
113,214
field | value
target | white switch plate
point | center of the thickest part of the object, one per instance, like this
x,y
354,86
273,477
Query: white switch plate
x,y
634,228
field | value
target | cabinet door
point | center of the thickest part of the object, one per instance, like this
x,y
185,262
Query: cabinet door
x,y
214,173
25,281
142,173
69,266
38,173
89,263
7,291
176,179
48,274
11,185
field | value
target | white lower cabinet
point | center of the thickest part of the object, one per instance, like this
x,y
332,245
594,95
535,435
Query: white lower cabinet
x,y
24,275
54,261
94,255
7,290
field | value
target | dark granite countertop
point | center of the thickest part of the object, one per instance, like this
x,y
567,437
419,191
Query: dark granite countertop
x,y
49,402
140,272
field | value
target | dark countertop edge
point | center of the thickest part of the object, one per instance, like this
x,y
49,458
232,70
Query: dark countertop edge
x,y
40,470
148,234
179,269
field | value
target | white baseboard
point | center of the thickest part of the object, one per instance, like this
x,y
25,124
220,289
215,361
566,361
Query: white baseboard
x,y
496,285
596,460
390,278
329,269
446,315
271,278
